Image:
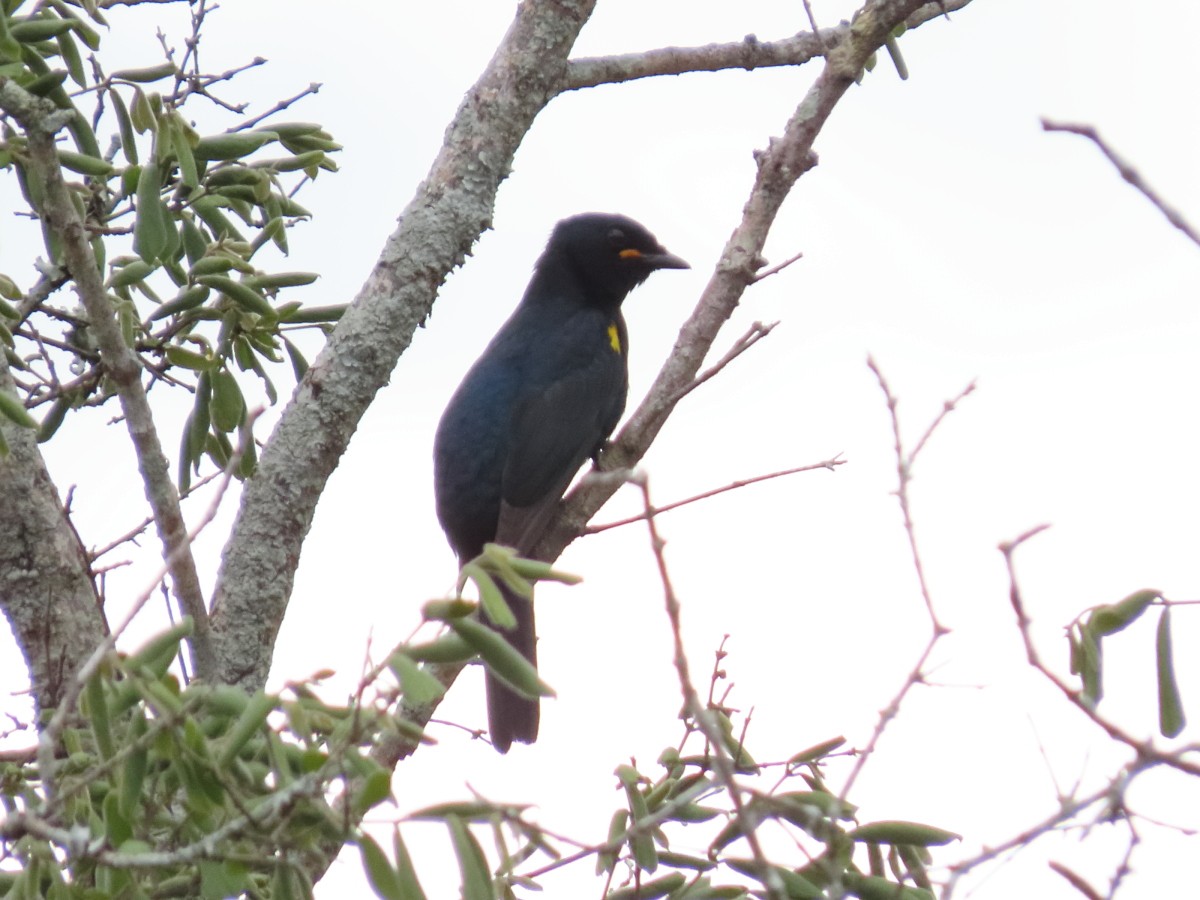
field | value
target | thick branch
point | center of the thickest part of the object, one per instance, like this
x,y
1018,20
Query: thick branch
x,y
41,121
779,167
45,591
748,53
445,217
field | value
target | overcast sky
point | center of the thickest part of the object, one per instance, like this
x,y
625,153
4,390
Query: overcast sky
x,y
944,234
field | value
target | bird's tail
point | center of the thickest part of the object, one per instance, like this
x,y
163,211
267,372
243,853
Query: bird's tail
x,y
512,717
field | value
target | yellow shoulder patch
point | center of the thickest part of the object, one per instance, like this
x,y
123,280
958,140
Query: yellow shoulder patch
x,y
614,337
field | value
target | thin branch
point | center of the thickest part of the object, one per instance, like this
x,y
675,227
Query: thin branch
x,y
775,270
722,763
748,53
1128,172
280,106
1065,813
780,165
1076,881
1145,750
756,333
133,533
904,465
829,464
48,739
48,282
40,121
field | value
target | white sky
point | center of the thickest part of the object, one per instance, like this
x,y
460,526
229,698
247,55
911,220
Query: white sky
x,y
944,234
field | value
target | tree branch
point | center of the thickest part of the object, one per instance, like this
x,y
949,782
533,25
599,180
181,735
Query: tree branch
x,y
1129,173
41,120
45,592
450,210
749,53
779,167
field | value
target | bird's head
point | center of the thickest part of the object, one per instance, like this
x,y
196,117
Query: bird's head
x,y
610,254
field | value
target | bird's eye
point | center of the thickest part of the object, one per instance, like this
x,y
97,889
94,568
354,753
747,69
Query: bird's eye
x,y
616,237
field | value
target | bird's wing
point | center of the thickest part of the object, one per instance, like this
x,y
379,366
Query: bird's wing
x,y
553,432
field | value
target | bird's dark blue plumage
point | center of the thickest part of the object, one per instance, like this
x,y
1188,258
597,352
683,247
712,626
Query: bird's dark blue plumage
x,y
542,399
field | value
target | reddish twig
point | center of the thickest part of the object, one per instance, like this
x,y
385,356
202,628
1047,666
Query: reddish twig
x,y
1128,172
829,464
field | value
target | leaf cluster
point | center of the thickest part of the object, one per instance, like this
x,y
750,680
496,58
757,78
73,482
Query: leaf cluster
x,y
161,791
177,221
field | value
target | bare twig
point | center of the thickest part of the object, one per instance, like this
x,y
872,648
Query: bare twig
x,y
753,335
48,739
748,53
812,20
1076,881
775,270
904,464
1146,751
133,533
1065,813
1128,172
280,106
47,284
722,763
830,464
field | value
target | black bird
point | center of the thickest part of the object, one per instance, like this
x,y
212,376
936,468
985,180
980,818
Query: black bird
x,y
543,398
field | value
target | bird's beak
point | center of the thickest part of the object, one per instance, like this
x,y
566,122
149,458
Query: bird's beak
x,y
664,260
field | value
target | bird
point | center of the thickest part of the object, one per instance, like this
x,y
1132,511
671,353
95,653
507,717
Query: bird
x,y
542,399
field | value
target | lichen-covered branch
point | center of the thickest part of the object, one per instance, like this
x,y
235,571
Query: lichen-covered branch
x,y
450,210
748,53
41,120
779,166
45,591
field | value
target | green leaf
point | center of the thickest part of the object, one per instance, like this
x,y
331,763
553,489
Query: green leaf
x,y
410,887
868,887
375,789
817,751
299,363
477,881
41,29
188,359
650,890
54,418
150,229
897,832
1090,660
1171,718
131,273
14,410
133,772
69,53
419,686
1110,619
384,880
796,886
490,597
98,718
233,145
251,720
504,660
447,648
241,294
117,828
147,75
219,880
228,406
125,127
